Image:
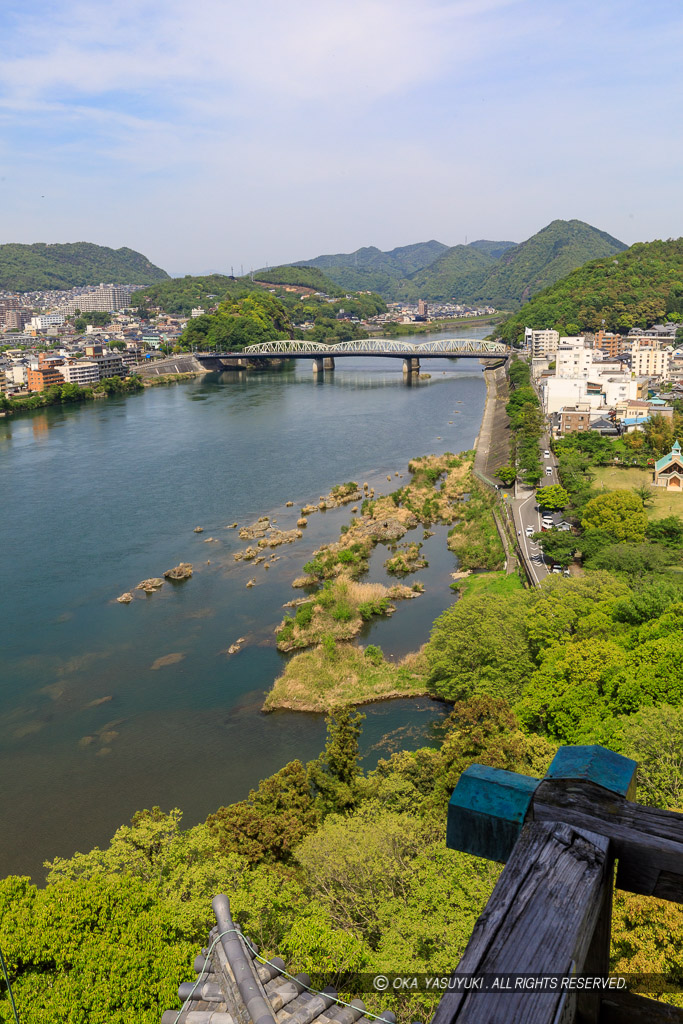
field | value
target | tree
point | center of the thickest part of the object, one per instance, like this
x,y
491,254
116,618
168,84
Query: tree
x,y
507,474
479,646
272,821
552,497
619,513
558,545
645,494
666,531
654,738
335,774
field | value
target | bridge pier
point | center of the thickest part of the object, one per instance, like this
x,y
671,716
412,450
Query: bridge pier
x,y
411,365
318,365
328,363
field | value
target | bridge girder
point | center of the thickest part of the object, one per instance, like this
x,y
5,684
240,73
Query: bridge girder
x,y
383,347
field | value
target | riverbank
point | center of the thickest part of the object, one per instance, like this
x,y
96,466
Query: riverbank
x,y
443,490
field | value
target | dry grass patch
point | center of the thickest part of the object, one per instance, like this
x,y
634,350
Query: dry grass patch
x,y
324,678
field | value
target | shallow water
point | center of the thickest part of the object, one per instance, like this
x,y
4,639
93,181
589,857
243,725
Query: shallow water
x,y
95,498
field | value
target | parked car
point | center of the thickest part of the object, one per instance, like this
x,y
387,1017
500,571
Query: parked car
x,y
557,568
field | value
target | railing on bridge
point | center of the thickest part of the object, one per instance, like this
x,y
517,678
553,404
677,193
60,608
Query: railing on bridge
x,y
549,916
382,347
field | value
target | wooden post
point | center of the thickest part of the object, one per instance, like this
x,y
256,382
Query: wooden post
x,y
550,913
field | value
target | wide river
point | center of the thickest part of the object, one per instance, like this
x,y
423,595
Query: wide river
x,y
95,498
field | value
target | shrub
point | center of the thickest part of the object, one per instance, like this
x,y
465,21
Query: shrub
x,y
374,654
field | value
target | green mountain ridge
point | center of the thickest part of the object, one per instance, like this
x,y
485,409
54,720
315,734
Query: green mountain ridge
x,y
44,266
499,273
634,288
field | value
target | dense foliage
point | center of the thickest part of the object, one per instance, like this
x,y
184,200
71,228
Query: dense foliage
x,y
181,295
526,425
498,273
69,393
25,268
618,291
299,276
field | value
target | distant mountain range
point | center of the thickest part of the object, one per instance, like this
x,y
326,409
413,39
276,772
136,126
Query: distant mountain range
x,y
503,274
42,267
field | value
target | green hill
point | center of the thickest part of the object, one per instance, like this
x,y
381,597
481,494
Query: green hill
x,y
495,249
182,294
502,274
633,288
457,273
299,275
543,259
41,266
371,269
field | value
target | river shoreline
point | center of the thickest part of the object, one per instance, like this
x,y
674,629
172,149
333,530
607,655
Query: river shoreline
x,y
311,680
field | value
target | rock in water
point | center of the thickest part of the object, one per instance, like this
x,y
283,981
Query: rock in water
x,y
150,585
125,598
199,529
180,572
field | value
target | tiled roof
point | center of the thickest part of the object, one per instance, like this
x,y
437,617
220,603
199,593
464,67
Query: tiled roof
x,y
234,986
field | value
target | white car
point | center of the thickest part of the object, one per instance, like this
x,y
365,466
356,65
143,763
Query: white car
x,y
530,531
546,454
548,471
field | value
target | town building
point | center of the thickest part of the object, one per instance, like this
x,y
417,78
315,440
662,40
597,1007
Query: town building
x,y
422,308
648,360
104,299
110,364
46,377
45,320
81,372
543,343
669,470
610,344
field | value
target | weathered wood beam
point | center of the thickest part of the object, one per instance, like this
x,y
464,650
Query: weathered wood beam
x,y
647,841
622,1007
540,919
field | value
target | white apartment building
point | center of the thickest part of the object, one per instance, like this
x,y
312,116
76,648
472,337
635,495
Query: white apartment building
x,y
543,343
80,372
197,311
600,392
573,359
45,320
649,361
104,299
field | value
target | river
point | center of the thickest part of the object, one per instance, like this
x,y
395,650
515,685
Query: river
x,y
95,498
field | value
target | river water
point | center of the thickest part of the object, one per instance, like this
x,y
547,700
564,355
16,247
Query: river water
x,y
96,498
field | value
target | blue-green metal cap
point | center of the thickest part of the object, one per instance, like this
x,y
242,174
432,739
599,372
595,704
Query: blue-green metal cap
x,y
598,765
487,810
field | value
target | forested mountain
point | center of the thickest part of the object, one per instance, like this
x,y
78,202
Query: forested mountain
x,y
371,269
40,266
495,249
634,288
299,276
502,274
457,273
542,260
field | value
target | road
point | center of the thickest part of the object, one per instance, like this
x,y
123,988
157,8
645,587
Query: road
x,y
526,514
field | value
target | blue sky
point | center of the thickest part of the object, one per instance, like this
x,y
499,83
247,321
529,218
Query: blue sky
x,y
214,134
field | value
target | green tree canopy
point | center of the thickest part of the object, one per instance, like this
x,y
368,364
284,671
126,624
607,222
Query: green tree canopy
x,y
620,513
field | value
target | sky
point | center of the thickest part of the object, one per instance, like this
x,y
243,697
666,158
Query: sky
x,y
212,134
